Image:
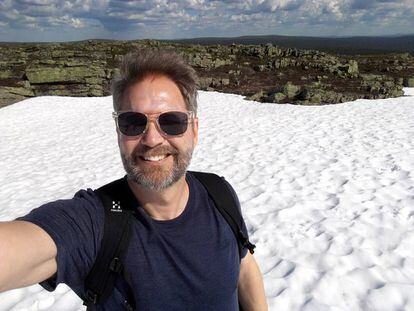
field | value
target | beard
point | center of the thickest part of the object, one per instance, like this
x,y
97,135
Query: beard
x,y
160,177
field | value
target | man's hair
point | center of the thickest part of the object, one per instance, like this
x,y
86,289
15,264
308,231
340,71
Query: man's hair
x,y
140,64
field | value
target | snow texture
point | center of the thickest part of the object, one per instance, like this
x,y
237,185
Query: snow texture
x,y
327,191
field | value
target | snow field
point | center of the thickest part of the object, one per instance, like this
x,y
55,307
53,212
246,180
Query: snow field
x,y
327,191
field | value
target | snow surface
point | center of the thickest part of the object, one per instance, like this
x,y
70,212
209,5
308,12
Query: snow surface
x,y
327,191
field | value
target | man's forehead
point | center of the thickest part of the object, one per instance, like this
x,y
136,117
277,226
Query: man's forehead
x,y
154,92
157,85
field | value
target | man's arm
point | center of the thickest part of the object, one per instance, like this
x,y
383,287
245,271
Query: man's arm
x,y
27,255
251,289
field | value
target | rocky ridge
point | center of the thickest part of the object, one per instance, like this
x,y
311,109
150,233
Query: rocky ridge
x,y
264,73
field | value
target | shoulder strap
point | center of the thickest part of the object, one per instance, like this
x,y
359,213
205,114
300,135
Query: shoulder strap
x,y
227,206
118,202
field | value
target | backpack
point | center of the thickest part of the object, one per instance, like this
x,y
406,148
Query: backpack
x,y
120,203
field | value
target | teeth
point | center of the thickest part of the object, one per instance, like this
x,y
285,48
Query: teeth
x,y
155,158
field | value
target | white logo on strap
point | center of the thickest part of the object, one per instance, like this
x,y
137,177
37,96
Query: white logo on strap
x,y
116,206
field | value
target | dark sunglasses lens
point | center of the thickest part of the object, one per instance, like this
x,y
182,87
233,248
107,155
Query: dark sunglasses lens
x,y
132,123
173,123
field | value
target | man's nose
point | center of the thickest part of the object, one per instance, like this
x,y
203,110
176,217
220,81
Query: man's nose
x,y
152,137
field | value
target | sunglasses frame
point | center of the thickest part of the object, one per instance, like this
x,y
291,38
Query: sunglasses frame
x,y
153,117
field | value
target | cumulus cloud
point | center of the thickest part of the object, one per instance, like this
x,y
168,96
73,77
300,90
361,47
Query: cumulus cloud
x,y
190,18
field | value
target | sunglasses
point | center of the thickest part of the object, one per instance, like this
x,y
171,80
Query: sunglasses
x,y
171,123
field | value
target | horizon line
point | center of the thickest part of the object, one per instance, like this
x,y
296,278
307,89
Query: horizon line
x,y
219,37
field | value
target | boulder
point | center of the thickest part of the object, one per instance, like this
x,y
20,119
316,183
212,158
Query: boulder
x,y
259,68
73,62
11,95
291,90
96,90
276,97
7,74
65,90
258,96
20,91
203,61
315,98
7,98
399,81
220,62
281,63
371,86
225,81
271,50
409,82
371,77
41,75
328,97
14,91
204,82
217,82
305,94
396,92
309,96
352,67
234,72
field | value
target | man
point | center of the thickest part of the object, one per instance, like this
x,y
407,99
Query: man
x,y
182,255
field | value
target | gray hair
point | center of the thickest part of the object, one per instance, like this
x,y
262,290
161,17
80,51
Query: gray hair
x,y
140,64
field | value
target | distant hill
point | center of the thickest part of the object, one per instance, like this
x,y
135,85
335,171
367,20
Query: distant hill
x,y
348,45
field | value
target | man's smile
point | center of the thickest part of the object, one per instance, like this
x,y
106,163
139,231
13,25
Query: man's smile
x,y
155,158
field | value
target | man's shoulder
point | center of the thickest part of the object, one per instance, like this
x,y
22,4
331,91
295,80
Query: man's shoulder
x,y
88,194
84,198
84,204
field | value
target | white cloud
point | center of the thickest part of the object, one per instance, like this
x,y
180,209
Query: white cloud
x,y
202,17
76,23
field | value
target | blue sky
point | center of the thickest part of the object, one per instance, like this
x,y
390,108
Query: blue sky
x,y
60,20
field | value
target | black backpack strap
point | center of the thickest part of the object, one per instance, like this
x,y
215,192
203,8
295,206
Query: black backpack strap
x,y
227,206
119,203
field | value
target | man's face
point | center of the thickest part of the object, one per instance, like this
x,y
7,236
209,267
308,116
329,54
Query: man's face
x,y
152,159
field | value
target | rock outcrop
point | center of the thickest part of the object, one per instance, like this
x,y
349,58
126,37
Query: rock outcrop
x,y
263,73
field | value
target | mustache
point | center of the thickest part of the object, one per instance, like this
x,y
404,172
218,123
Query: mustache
x,y
144,151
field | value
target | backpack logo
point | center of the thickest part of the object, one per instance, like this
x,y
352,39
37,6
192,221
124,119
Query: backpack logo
x,y
116,206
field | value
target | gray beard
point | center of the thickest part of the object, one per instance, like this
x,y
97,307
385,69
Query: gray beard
x,y
157,180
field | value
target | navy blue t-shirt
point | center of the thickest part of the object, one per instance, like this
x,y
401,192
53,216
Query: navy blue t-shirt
x,y
187,263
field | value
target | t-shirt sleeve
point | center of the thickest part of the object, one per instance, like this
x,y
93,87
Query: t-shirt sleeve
x,y
243,224
76,227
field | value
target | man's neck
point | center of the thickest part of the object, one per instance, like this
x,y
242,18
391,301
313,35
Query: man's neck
x,y
163,205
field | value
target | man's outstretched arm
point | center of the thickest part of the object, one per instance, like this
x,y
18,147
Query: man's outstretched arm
x,y
27,255
251,288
